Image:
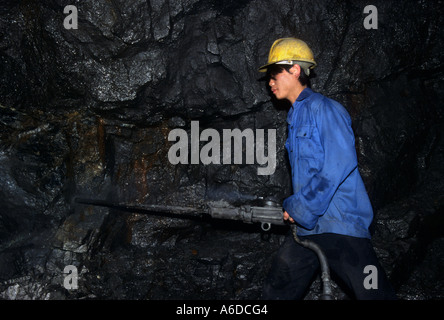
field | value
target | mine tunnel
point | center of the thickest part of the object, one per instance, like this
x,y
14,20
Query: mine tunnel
x,y
94,95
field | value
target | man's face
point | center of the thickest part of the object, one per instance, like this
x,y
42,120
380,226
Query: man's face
x,y
283,85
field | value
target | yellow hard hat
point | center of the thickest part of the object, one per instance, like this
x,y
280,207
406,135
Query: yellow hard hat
x,y
290,51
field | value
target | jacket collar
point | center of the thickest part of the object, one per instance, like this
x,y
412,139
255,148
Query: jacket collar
x,y
304,94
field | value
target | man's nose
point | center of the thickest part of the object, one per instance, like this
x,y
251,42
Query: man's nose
x,y
271,82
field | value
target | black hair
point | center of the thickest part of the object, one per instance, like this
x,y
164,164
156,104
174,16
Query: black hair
x,y
275,69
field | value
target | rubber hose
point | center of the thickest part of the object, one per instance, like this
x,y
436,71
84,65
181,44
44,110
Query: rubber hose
x,y
327,293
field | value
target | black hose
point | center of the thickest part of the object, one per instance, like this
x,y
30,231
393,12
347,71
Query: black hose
x,y
327,293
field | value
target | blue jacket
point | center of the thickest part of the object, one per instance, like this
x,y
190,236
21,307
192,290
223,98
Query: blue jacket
x,y
329,195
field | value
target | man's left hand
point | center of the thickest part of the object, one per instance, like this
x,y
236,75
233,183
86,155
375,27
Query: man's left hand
x,y
287,217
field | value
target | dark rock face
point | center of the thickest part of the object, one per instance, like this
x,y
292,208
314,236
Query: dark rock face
x,y
87,112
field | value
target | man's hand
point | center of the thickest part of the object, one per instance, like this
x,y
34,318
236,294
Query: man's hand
x,y
287,217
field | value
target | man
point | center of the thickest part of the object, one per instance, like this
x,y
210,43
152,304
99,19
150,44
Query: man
x,y
329,204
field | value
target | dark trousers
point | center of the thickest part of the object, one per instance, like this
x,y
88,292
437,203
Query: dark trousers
x,y
294,268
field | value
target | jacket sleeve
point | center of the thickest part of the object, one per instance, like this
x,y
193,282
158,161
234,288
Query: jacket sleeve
x,y
338,143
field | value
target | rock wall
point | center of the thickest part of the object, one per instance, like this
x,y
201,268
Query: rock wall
x,y
87,112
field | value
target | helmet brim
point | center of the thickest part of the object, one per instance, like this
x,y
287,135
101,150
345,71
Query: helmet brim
x,y
311,64
264,68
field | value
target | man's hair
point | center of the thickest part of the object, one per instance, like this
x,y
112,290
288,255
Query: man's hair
x,y
275,69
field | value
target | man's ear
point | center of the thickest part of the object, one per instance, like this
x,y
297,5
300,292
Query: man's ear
x,y
296,70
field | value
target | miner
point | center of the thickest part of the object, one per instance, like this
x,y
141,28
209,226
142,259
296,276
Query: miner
x,y
329,203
